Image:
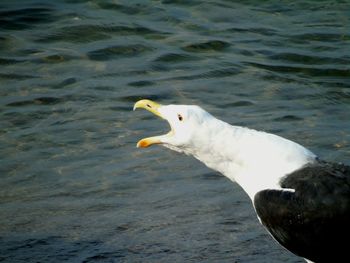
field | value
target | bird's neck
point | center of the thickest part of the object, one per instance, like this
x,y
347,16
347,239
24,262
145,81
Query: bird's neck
x,y
255,160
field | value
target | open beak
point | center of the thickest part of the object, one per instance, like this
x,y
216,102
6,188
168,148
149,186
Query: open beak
x,y
154,108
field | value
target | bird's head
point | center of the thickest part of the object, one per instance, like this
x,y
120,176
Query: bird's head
x,y
185,121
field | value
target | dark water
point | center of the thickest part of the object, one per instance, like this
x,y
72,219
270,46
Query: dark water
x,y
74,187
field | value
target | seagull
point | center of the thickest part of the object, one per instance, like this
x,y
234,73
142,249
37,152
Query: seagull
x,y
301,200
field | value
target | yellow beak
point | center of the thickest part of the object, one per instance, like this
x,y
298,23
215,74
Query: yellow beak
x,y
149,105
152,107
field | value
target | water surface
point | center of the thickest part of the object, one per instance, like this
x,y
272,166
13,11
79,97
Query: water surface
x,y
73,185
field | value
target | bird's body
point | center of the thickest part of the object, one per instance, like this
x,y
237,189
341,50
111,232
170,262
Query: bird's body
x,y
313,220
302,202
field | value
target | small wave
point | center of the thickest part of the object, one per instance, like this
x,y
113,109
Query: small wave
x,y
129,10
54,58
311,71
288,118
65,82
218,73
255,30
25,18
321,37
175,57
14,76
141,83
307,59
36,101
89,33
118,51
155,97
9,61
75,34
213,45
240,103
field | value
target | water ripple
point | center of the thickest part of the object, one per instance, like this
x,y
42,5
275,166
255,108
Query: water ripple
x,y
21,19
14,76
90,32
118,51
213,45
175,58
217,73
320,37
141,83
264,31
311,71
36,101
9,61
308,59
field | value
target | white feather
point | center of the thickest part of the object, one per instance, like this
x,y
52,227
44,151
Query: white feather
x,y
255,160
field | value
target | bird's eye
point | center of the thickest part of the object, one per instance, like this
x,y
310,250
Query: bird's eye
x,y
179,116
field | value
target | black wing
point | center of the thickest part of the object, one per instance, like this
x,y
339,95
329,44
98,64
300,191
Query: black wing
x,y
314,221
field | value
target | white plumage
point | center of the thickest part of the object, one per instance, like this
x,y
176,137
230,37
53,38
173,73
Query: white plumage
x,y
255,160
271,170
